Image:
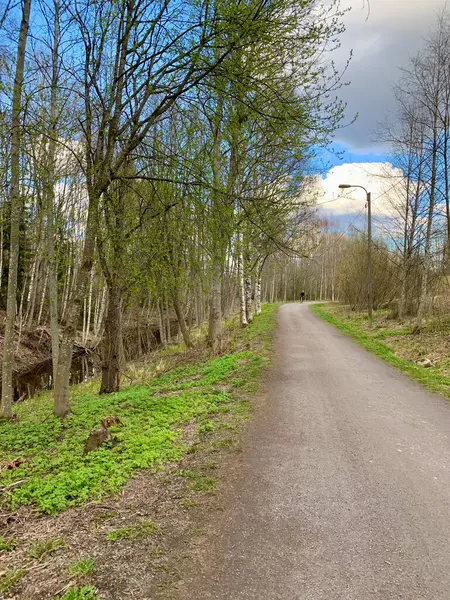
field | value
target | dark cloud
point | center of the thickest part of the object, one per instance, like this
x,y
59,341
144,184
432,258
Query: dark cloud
x,y
382,44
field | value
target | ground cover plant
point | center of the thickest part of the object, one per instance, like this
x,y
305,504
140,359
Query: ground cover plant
x,y
75,525
57,474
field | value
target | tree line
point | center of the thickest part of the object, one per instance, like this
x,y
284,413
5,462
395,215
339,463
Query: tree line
x,y
411,248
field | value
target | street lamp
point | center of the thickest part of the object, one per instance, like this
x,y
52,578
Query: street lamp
x,y
345,186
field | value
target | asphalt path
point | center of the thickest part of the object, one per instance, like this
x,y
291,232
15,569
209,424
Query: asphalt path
x,y
344,488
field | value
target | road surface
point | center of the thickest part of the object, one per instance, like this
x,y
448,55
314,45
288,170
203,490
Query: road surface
x,y
345,485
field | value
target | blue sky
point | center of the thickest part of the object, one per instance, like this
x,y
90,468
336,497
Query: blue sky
x,y
338,154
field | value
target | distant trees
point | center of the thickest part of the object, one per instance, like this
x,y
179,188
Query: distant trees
x,y
412,242
419,140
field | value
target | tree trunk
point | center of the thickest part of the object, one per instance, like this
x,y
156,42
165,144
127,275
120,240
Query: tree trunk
x,y
248,298
198,306
16,213
215,308
101,312
66,292
167,319
31,299
1,248
112,344
89,309
243,310
181,321
42,300
162,327
258,295
22,298
405,261
427,251
61,391
53,295
447,184
258,286
61,404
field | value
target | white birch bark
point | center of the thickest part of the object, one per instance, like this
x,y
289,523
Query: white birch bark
x,y
258,296
42,300
243,307
248,298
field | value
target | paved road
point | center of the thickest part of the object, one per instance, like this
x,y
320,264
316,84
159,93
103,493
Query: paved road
x,y
345,486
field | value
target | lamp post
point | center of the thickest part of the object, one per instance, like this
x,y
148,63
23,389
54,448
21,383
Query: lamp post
x,y
344,186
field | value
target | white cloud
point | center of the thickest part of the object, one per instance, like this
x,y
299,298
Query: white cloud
x,y
382,180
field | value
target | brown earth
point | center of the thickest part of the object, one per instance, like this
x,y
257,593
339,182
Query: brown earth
x,y
183,500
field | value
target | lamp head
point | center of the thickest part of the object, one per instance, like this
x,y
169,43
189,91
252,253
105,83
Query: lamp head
x,y
344,186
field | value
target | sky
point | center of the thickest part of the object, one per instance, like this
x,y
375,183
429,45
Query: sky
x,y
382,40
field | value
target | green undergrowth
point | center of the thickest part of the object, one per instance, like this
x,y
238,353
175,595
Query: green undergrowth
x,y
84,566
134,532
7,545
430,377
41,550
56,474
86,592
9,578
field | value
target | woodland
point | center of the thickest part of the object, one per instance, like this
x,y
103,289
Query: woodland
x,y
154,157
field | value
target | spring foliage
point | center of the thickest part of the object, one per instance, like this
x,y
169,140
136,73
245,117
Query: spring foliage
x,y
57,475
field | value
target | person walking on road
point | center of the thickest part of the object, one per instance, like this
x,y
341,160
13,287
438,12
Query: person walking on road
x,y
302,296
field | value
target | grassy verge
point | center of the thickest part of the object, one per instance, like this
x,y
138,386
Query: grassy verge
x,y
77,525
398,343
53,472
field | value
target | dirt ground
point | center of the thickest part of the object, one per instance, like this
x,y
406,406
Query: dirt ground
x,y
181,500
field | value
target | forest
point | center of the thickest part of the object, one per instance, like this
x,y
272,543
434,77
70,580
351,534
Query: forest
x,y
154,158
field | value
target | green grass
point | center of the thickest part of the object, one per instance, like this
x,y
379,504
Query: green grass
x,y
429,377
387,333
188,503
134,532
9,578
7,545
58,475
199,482
206,427
86,592
227,443
84,566
41,550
